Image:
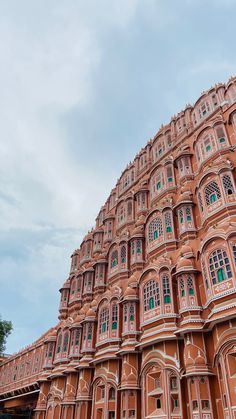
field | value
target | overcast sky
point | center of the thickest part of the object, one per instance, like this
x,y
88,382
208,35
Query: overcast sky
x,y
84,84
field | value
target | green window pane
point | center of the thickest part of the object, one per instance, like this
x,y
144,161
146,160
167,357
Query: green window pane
x,y
169,229
104,327
123,260
189,218
208,148
114,325
155,234
158,185
221,275
191,291
213,198
89,336
222,140
181,220
182,293
170,179
167,299
151,303
131,318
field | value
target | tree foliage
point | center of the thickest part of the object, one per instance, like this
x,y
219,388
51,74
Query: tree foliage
x,y
5,330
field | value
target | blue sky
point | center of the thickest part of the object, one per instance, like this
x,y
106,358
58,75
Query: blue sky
x,y
83,86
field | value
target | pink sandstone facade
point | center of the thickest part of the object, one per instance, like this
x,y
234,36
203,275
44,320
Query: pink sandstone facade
x,y
147,317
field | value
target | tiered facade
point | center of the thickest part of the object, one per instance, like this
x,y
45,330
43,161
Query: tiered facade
x,y
147,320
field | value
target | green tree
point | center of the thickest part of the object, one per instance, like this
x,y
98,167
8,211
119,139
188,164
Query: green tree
x,y
5,330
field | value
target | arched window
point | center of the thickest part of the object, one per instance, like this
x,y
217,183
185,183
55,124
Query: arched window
x,y
151,295
139,246
166,289
114,259
200,201
182,287
188,214
228,185
65,342
155,229
59,342
112,393
123,254
129,209
190,285
234,253
114,315
212,193
220,135
104,320
169,175
131,312
219,266
168,222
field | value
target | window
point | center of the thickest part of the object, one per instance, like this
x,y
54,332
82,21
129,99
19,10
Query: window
x,y
104,320
200,201
158,403
205,404
129,209
139,246
173,383
155,229
212,193
219,266
123,254
195,405
182,287
131,312
59,344
114,259
166,289
65,342
181,216
168,222
228,185
169,174
89,329
112,393
220,134
77,337
190,285
114,316
188,214
234,253
151,295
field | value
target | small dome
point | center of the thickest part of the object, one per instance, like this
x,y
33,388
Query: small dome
x,y
140,221
186,250
184,265
90,313
94,303
130,292
185,196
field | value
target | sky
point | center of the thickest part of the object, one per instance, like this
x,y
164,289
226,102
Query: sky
x,y
83,86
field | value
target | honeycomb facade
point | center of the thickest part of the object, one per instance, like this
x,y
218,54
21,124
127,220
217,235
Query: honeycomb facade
x,y
147,321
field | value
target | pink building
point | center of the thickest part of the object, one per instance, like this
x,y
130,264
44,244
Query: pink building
x,y
147,323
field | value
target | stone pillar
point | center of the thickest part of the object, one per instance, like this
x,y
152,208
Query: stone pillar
x,y
41,407
130,391
83,406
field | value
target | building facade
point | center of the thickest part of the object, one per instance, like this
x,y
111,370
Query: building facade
x,y
147,316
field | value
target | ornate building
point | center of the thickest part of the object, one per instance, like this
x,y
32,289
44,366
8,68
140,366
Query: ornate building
x,y
147,323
